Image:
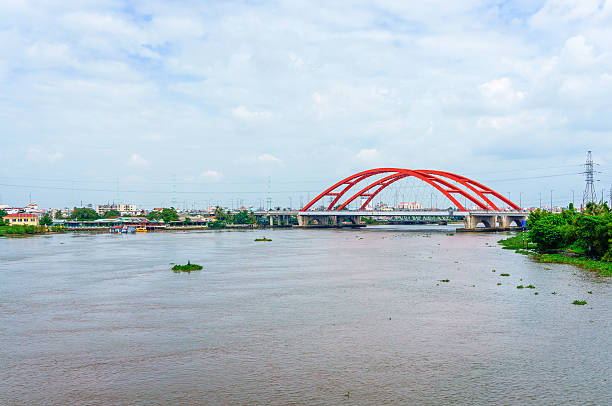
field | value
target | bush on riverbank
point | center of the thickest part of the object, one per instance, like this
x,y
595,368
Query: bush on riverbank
x,y
21,230
588,232
516,243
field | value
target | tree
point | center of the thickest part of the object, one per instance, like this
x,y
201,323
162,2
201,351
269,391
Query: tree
x,y
221,215
58,215
3,213
46,220
111,213
154,216
546,231
244,217
83,213
593,234
169,215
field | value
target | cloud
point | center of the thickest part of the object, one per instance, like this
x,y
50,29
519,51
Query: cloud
x,y
137,161
243,113
211,175
368,155
500,93
268,158
39,155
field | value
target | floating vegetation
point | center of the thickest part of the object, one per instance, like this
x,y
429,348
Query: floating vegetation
x,y
520,287
590,292
347,394
186,268
530,287
493,270
498,283
443,280
263,239
535,293
451,234
504,274
554,293
579,302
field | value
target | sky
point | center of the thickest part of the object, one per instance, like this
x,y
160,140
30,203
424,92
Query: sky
x,y
196,103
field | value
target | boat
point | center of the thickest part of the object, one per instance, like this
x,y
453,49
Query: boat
x,y
141,229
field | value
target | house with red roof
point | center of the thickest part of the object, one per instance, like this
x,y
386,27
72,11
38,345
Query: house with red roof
x,y
21,219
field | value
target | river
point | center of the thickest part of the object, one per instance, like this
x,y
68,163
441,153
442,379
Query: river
x,y
313,317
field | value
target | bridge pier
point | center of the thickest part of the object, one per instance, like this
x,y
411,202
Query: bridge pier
x,y
493,221
327,220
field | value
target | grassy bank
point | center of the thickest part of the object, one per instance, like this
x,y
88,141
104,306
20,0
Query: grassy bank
x,y
516,243
11,231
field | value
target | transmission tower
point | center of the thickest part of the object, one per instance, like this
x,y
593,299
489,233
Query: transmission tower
x,y
589,191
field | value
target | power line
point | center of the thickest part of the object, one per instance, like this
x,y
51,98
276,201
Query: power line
x,y
151,191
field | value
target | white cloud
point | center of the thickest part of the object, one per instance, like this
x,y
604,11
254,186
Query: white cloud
x,y
211,175
243,113
368,155
500,93
577,52
268,158
40,155
137,161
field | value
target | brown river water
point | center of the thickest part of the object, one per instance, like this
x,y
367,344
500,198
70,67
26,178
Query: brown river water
x,y
314,317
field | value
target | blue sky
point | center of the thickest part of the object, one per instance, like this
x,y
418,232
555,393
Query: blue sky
x,y
105,100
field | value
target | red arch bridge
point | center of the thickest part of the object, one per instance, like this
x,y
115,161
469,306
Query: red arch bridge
x,y
493,210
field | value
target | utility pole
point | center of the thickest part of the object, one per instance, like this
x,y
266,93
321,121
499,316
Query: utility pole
x,y
269,193
589,191
521,200
551,205
174,191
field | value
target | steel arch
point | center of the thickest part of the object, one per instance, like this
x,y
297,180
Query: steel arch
x,y
476,192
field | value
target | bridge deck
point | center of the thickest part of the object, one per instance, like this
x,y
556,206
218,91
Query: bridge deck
x,y
395,213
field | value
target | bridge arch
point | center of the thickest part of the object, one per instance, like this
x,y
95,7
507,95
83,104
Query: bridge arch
x,y
440,180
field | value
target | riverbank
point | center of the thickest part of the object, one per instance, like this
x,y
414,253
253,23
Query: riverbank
x,y
23,231
521,245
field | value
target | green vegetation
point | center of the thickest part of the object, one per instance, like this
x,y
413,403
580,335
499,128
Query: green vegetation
x,y
3,213
244,217
520,287
46,220
167,215
443,280
84,213
186,268
530,287
504,274
263,239
216,224
28,230
583,239
579,302
111,214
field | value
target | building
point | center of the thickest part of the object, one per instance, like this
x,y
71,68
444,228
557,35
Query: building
x,y
102,209
409,206
129,209
21,219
